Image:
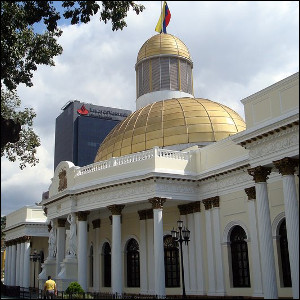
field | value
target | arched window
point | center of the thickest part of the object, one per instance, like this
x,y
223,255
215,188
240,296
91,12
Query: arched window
x,y
172,267
91,266
239,258
284,253
133,264
106,265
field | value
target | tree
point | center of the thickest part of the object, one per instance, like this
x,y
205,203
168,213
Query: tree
x,y
22,50
24,146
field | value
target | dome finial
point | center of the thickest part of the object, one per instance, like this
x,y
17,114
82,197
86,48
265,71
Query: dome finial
x,y
164,19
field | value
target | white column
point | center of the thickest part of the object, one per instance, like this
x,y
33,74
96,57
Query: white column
x,y
18,264
292,228
159,263
96,227
150,254
220,287
26,270
116,257
199,249
61,244
191,251
287,167
13,265
185,254
265,232
26,273
82,249
22,263
256,279
8,266
143,253
210,249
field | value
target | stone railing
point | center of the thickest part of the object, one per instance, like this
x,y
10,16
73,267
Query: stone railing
x,y
135,157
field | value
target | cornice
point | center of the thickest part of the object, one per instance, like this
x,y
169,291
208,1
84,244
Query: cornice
x,y
270,88
92,189
266,129
25,224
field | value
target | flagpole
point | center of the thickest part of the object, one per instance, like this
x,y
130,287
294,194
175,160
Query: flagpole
x,y
161,9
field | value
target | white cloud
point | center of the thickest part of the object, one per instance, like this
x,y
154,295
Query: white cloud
x,y
237,47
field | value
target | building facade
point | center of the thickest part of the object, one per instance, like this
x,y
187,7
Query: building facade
x,y
234,184
81,128
26,234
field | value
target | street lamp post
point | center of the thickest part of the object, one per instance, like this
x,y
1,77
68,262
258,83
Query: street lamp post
x,y
183,235
34,257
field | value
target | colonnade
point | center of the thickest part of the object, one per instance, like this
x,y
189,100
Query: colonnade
x,y
286,168
152,279
17,262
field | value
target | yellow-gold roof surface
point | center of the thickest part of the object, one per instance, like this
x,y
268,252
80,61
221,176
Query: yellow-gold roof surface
x,y
163,44
171,122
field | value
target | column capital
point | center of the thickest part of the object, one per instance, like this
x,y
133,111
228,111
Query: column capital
x,y
157,202
196,206
260,174
215,201
96,223
82,215
251,193
182,209
142,214
207,203
26,238
287,165
149,213
61,222
116,209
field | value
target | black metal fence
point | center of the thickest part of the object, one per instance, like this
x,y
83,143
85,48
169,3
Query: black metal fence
x,y
31,293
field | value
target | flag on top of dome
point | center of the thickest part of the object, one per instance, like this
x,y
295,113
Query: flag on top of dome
x,y
164,19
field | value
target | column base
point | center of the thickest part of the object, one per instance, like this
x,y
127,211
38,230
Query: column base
x,y
216,294
49,268
258,295
68,273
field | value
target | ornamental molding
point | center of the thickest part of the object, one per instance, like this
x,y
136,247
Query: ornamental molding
x,y
63,181
251,193
27,230
260,174
221,185
229,227
276,224
287,165
157,202
277,143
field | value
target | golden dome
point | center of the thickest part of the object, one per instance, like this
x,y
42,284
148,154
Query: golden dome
x,y
163,44
171,122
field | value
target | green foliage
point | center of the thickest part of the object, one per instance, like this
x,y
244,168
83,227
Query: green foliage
x,y
22,50
74,288
116,11
3,224
25,148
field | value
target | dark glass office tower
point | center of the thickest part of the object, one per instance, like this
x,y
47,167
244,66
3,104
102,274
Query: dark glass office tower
x,y
81,128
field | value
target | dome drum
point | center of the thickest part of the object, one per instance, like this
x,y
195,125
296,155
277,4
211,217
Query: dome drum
x,y
164,73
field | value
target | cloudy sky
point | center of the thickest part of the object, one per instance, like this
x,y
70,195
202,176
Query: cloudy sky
x,y
237,47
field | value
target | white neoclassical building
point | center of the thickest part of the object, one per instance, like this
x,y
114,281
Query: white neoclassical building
x,y
232,182
26,233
